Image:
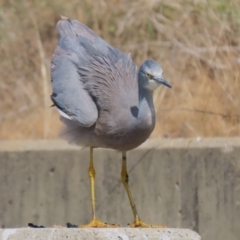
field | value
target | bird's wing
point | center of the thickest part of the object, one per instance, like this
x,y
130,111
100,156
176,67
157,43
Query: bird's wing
x,y
69,95
91,71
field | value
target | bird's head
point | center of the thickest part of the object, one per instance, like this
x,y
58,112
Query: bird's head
x,y
150,75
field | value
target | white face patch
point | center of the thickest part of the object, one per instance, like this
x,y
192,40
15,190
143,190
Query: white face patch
x,y
152,85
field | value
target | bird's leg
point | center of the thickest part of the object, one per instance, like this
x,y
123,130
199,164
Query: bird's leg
x,y
95,222
137,221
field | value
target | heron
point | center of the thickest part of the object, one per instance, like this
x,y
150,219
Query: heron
x,y
103,98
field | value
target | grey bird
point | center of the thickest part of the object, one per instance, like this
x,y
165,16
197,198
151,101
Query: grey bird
x,y
104,100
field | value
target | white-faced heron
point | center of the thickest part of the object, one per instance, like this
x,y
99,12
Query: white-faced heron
x,y
103,98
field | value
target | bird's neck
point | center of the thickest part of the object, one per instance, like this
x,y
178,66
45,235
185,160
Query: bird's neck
x,y
146,115
146,100
145,94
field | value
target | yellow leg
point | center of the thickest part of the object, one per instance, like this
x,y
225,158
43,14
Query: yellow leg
x,y
137,221
95,222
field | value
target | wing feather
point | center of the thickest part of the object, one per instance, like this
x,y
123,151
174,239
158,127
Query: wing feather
x,y
91,78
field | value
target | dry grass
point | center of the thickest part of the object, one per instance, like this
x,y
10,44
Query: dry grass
x,y
196,42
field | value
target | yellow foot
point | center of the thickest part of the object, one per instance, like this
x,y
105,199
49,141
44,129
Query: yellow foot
x,y
95,223
140,224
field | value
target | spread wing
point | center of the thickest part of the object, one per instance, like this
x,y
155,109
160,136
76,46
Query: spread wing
x,y
89,76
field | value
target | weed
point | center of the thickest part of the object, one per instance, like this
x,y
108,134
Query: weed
x,y
196,42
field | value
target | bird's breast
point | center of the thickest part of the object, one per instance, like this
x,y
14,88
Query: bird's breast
x,y
129,129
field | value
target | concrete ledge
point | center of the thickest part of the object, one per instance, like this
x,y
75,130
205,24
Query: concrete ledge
x,y
226,144
182,183
98,234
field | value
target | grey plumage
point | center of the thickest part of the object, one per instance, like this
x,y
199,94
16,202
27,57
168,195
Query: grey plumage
x,y
104,100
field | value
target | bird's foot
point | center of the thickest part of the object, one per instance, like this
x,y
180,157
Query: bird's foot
x,y
140,224
95,223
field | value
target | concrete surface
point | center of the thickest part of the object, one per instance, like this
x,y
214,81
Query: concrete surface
x,y
98,234
182,183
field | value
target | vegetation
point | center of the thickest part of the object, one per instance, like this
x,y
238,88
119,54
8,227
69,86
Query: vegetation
x,y
196,42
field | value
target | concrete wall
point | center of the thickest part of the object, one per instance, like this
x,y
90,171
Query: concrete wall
x,y
98,234
190,183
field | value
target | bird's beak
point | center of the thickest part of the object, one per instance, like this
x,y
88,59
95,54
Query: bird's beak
x,y
161,80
